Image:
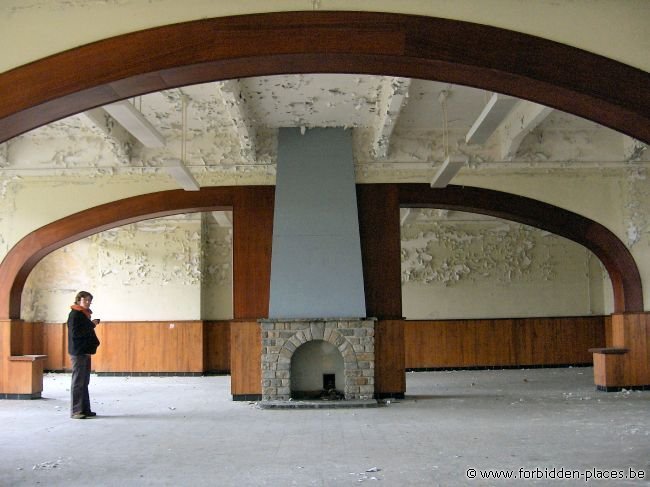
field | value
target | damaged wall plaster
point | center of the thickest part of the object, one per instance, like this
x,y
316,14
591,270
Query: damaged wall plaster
x,y
471,267
145,271
637,221
216,283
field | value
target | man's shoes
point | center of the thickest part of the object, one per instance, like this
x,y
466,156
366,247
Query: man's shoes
x,y
79,416
90,414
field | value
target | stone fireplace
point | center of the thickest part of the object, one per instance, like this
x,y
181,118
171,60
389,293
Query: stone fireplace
x,y
316,275
353,338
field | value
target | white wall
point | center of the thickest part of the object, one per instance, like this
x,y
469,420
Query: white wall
x,y
463,267
474,267
152,270
612,28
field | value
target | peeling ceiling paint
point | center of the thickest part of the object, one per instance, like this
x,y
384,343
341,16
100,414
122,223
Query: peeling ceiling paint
x,y
230,132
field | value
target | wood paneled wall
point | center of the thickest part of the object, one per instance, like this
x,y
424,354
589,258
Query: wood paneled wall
x,y
217,346
187,346
196,346
151,346
390,378
502,342
246,358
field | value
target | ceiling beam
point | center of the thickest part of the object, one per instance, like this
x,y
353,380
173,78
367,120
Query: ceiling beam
x,y
135,123
116,135
392,97
494,113
179,171
223,218
522,120
448,171
237,109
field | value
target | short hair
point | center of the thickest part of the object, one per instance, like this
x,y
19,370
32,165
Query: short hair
x,y
82,294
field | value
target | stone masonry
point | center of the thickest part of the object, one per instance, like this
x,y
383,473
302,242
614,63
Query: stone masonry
x,y
354,338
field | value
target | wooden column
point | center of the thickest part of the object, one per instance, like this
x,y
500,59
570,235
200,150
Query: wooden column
x,y
245,360
626,363
21,375
252,241
379,229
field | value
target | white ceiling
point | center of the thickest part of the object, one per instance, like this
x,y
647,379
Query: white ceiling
x,y
398,123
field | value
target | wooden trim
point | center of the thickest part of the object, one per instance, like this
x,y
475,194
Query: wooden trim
x,y
502,342
615,256
553,74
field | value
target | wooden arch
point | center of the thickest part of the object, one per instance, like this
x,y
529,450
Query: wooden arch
x,y
22,258
553,74
615,256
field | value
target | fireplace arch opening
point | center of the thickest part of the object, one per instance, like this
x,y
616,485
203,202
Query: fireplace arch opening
x,y
317,371
353,338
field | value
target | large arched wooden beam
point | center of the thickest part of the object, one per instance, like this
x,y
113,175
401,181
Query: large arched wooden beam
x,y
622,269
553,74
22,258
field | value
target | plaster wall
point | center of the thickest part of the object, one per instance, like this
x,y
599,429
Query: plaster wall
x,y
216,275
152,270
181,268
488,268
38,28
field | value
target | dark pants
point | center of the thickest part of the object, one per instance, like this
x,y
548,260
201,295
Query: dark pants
x,y
80,401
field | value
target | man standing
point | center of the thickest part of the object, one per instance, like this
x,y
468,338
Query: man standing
x,y
82,343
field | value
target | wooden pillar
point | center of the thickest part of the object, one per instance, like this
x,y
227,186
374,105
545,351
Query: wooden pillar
x,y
252,241
245,360
626,363
379,228
21,375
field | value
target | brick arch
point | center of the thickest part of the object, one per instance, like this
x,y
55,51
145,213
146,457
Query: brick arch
x,y
334,338
282,338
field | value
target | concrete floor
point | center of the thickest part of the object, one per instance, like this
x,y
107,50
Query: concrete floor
x,y
186,431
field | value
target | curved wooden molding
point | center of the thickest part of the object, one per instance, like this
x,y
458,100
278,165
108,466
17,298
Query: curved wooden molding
x,y
22,258
546,72
617,259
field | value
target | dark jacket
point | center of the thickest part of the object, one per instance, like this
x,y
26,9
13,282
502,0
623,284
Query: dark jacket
x,y
81,334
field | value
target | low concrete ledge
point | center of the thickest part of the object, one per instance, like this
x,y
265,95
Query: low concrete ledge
x,y
349,403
